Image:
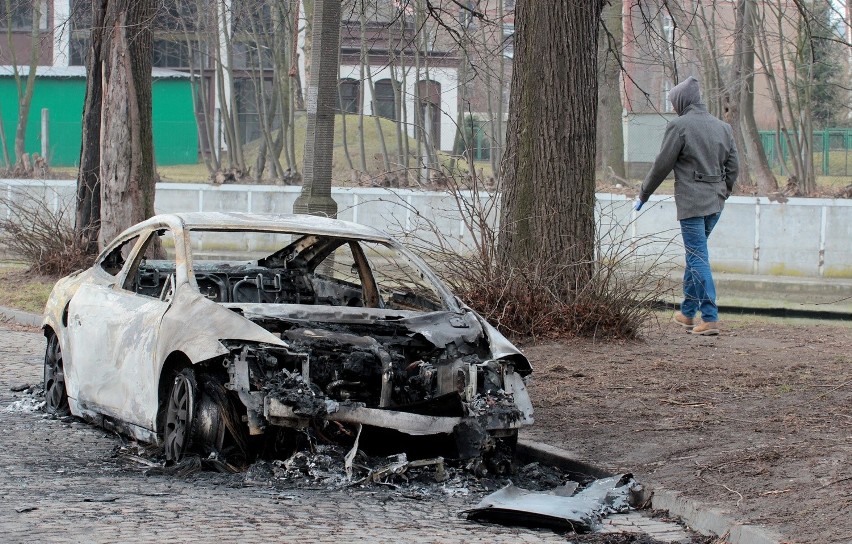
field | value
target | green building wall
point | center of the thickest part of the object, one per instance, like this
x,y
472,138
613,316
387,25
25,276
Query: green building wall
x,y
175,132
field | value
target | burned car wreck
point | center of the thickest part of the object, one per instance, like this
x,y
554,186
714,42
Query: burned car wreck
x,y
173,338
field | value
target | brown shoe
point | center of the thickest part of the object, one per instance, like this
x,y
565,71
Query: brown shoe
x,y
683,321
707,328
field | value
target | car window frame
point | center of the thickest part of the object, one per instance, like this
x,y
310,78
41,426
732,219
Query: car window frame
x,y
449,300
146,236
118,278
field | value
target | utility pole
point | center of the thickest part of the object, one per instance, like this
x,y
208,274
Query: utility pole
x,y
321,104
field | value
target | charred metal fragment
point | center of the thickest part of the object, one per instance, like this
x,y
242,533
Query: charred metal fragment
x,y
558,508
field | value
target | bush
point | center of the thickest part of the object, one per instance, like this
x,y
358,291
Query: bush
x,y
42,237
532,299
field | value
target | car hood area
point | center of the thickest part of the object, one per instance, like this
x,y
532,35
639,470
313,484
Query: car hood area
x,y
412,372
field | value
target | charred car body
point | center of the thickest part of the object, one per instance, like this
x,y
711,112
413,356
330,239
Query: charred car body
x,y
171,339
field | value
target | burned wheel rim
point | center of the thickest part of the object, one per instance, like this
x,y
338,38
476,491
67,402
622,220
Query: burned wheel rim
x,y
55,394
180,415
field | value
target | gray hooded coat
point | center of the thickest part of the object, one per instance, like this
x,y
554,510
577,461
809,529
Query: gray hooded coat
x,y
702,152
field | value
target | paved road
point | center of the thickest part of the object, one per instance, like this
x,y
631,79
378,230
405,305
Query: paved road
x,y
60,481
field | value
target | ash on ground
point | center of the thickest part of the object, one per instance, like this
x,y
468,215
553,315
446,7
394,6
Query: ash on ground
x,y
325,467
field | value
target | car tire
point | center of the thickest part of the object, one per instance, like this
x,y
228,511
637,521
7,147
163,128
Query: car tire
x,y
55,392
181,407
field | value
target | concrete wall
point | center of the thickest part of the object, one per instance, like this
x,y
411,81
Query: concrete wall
x,y
804,237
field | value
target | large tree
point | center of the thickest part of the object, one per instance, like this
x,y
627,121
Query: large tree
x,y
115,188
547,209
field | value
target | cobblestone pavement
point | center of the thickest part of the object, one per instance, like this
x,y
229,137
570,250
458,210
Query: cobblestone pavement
x,y
60,481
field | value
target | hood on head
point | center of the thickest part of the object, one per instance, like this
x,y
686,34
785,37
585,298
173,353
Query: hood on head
x,y
685,94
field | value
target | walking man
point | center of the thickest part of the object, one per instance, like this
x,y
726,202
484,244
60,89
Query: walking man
x,y
700,149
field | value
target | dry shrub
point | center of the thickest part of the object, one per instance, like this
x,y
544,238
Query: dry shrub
x,y
41,235
532,299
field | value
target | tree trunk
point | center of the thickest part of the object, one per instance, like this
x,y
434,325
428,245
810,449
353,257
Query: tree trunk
x,y
610,131
547,208
307,47
88,216
25,90
378,120
766,182
733,115
6,164
362,77
497,146
321,103
127,146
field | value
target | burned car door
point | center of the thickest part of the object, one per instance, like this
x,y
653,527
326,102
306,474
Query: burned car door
x,y
114,329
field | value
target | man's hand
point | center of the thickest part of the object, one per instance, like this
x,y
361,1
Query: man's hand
x,y
637,204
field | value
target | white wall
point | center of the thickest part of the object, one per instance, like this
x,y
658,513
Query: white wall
x,y
806,237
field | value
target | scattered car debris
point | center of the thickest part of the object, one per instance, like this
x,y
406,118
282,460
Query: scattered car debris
x,y
401,465
560,508
31,401
21,387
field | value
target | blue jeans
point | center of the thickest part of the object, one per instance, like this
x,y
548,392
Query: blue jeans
x,y
699,291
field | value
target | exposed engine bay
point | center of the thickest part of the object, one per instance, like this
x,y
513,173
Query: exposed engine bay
x,y
360,348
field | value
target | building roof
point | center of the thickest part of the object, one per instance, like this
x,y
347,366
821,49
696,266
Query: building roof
x,y
80,71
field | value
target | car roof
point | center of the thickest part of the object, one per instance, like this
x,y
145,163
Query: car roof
x,y
297,223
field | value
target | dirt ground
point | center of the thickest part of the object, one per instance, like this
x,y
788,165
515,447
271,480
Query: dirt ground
x,y
757,422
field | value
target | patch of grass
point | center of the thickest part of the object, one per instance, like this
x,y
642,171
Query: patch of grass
x,y
184,173
738,322
22,290
341,173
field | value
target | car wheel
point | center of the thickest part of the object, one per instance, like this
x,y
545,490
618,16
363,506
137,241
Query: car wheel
x,y
180,415
55,394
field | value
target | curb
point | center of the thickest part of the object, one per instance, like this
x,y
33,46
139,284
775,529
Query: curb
x,y
21,317
708,520
696,515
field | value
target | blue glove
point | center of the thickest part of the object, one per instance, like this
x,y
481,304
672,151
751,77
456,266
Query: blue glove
x,y
637,204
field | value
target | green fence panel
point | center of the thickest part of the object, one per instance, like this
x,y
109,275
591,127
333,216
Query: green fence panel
x,y
832,151
175,130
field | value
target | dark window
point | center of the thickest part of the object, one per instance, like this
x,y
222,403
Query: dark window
x,y
252,55
254,17
429,110
79,46
176,15
476,138
384,99
80,25
81,15
170,54
20,16
248,97
349,98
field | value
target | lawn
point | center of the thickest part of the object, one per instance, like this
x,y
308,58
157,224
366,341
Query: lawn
x,y
21,290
